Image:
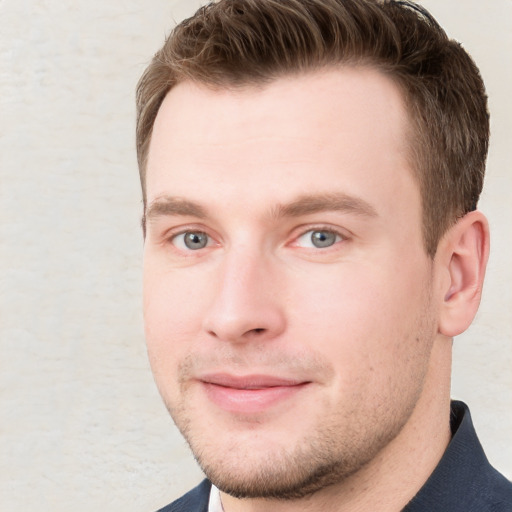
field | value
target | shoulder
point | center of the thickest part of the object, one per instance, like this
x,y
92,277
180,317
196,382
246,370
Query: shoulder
x,y
493,489
195,500
464,480
501,493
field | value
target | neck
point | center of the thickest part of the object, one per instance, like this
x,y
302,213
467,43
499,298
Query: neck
x,y
391,479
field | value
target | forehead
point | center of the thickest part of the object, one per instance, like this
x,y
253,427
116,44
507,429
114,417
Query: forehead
x,y
343,129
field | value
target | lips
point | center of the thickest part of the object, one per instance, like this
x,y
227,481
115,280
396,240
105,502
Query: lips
x,y
251,393
249,381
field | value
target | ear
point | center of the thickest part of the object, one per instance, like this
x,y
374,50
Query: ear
x,y
462,253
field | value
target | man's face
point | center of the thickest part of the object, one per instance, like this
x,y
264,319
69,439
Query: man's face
x,y
287,293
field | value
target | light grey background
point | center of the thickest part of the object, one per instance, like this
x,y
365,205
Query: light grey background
x,y
81,423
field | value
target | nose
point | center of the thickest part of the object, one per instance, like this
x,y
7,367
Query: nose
x,y
246,305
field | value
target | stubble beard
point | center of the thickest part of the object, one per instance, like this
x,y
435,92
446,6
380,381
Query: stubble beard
x,y
328,453
309,468
322,458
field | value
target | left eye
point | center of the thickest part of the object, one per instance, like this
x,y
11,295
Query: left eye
x,y
191,240
318,238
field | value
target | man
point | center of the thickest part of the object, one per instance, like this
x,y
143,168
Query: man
x,y
310,173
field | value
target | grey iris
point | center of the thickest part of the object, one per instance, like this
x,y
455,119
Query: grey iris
x,y
195,240
323,238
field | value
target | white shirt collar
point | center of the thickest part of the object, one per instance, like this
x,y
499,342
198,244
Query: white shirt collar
x,y
214,504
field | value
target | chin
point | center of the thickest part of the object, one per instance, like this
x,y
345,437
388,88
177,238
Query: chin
x,y
278,476
267,469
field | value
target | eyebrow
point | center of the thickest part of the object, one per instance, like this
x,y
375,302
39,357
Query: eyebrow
x,y
304,205
168,206
315,203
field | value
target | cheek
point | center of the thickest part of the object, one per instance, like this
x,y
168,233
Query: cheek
x,y
172,318
366,319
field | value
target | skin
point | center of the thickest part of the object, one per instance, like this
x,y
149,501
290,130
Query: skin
x,y
303,377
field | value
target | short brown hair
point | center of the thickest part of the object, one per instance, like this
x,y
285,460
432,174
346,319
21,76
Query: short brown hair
x,y
237,43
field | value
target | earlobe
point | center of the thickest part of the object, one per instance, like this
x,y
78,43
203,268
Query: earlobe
x,y
463,253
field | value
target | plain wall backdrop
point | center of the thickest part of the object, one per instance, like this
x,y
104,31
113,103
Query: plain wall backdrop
x,y
81,424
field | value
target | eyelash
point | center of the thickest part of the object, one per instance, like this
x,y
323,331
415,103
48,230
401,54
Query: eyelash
x,y
301,231
173,236
341,236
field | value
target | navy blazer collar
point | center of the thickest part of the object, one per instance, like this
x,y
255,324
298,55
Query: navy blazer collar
x,y
463,481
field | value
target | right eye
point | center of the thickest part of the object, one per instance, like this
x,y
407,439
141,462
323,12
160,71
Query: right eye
x,y
319,239
191,240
